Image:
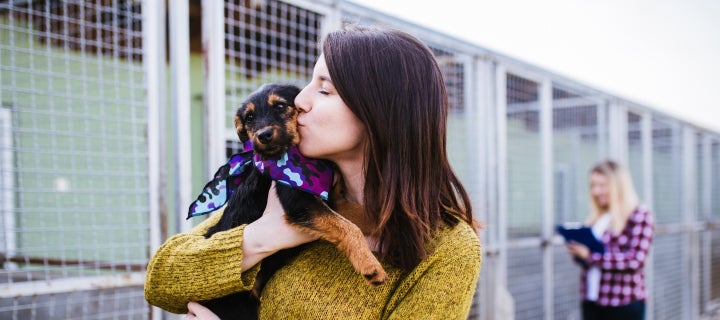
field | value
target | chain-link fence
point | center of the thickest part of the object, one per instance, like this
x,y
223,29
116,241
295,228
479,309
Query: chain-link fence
x,y
86,147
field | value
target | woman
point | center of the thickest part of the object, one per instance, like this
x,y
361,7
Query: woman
x,y
613,282
376,107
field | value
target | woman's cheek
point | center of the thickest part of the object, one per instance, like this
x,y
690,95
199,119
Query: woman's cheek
x,y
305,145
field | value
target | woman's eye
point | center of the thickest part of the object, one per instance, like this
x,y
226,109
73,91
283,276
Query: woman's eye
x,y
323,92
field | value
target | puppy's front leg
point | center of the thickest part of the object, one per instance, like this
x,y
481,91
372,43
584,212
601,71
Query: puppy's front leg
x,y
312,214
349,239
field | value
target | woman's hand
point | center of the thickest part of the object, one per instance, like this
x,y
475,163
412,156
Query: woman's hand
x,y
270,233
578,250
198,311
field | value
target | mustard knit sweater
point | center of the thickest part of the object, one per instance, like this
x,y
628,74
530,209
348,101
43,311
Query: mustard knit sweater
x,y
319,283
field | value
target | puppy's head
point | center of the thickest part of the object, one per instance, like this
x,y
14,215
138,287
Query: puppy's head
x,y
268,118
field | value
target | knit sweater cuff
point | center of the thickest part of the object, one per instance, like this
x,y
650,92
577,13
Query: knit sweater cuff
x,y
229,259
248,277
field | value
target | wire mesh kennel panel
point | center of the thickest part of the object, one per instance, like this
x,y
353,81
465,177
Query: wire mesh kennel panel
x,y
667,173
714,238
669,277
524,171
715,181
636,154
566,285
578,138
74,164
266,41
525,261
579,135
669,267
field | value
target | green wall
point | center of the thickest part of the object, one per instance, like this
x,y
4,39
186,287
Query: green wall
x,y
79,131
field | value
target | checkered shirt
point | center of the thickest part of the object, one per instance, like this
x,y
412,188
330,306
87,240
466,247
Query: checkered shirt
x,y
622,278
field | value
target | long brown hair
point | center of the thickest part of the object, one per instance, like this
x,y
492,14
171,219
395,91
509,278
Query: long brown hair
x,y
393,84
622,198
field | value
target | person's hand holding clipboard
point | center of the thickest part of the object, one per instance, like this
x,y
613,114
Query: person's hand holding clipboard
x,y
582,235
580,242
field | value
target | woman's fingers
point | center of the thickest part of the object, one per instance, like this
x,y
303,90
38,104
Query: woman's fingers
x,y
274,208
198,311
291,234
578,250
272,231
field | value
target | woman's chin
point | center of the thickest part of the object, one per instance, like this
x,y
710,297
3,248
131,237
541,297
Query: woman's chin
x,y
305,151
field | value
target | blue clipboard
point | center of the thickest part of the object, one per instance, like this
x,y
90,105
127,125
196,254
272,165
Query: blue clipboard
x,y
582,235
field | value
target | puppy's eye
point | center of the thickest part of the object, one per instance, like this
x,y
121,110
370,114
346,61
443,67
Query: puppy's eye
x,y
249,117
281,105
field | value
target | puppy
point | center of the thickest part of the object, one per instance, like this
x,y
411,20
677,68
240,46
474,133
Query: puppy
x,y
268,120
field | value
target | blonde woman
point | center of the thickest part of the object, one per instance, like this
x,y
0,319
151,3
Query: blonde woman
x,y
613,282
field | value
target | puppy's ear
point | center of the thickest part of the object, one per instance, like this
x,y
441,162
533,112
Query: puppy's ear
x,y
289,92
240,128
240,124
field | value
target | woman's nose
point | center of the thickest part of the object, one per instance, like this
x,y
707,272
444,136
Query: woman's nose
x,y
301,102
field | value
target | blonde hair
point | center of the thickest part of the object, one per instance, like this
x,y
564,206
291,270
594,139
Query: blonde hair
x,y
623,199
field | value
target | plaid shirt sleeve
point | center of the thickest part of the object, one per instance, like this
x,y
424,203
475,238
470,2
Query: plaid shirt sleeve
x,y
627,251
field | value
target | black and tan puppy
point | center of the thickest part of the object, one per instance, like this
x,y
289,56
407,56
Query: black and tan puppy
x,y
268,118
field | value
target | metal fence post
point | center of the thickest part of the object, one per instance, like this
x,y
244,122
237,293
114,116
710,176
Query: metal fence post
x,y
546,164
646,129
180,86
689,205
213,38
153,17
501,180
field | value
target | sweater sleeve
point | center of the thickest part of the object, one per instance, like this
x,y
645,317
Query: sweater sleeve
x,y
189,267
443,286
639,239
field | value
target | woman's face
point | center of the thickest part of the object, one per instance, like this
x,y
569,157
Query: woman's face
x,y
599,189
328,129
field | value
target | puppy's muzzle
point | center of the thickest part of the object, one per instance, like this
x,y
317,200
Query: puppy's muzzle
x,y
265,136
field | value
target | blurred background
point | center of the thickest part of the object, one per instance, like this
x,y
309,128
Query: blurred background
x,y
662,53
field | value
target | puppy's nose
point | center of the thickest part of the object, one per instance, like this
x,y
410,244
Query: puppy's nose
x,y
265,136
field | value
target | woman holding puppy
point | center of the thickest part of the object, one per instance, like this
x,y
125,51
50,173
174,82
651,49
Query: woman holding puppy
x,y
376,107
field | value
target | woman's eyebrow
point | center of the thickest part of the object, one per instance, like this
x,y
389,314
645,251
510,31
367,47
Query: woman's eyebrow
x,y
326,78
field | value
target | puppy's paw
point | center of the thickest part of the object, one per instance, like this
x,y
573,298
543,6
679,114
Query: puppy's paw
x,y
376,276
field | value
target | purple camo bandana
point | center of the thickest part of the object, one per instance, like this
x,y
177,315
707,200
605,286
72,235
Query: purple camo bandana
x,y
310,175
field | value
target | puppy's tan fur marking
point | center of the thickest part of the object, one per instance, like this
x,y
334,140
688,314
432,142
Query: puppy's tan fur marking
x,y
241,127
349,239
291,124
274,99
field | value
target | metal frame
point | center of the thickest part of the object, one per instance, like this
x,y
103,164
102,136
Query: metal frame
x,y
180,92
8,243
213,24
617,133
486,97
706,215
547,180
690,238
153,15
487,102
